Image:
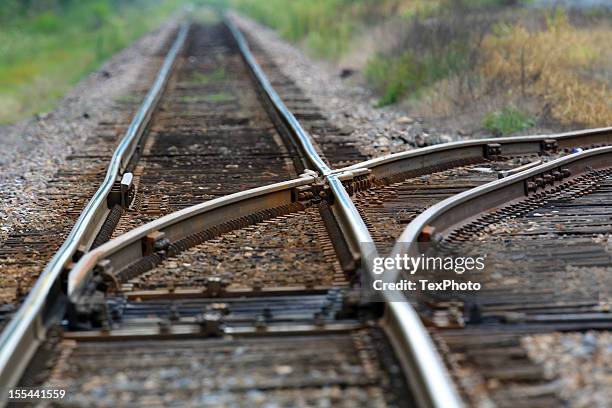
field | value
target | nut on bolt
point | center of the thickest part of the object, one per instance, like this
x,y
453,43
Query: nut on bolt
x,y
539,181
154,242
548,179
530,187
427,234
549,145
222,308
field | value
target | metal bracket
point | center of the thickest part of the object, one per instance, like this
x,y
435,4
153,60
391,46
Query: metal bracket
x,y
549,145
154,242
122,192
492,151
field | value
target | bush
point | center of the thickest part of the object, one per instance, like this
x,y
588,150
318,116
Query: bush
x,y
507,121
427,52
561,65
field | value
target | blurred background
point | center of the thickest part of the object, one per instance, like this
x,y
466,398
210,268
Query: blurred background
x,y
503,66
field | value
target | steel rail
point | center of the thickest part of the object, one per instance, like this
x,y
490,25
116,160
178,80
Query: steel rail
x,y
423,367
454,211
127,248
463,207
303,138
449,152
433,385
27,328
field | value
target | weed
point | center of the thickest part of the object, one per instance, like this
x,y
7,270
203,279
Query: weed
x,y
202,78
411,72
508,120
326,26
218,97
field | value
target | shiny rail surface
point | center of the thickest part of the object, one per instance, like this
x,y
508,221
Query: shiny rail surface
x,y
301,136
448,153
419,358
27,329
520,221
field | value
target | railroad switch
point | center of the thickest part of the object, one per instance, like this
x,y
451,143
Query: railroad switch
x,y
90,310
122,193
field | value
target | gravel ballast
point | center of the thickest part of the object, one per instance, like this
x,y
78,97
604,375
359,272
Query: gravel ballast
x,y
38,151
51,164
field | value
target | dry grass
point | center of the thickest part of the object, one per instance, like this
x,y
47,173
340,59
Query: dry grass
x,y
559,65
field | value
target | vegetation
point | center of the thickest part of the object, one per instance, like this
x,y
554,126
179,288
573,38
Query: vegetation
x,y
474,57
440,57
506,121
326,27
396,76
46,46
562,65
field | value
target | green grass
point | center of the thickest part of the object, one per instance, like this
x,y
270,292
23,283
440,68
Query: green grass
x,y
412,73
507,121
46,50
218,97
326,27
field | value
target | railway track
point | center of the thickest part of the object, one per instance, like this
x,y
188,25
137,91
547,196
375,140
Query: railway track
x,y
281,300
401,186
545,232
26,251
214,256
